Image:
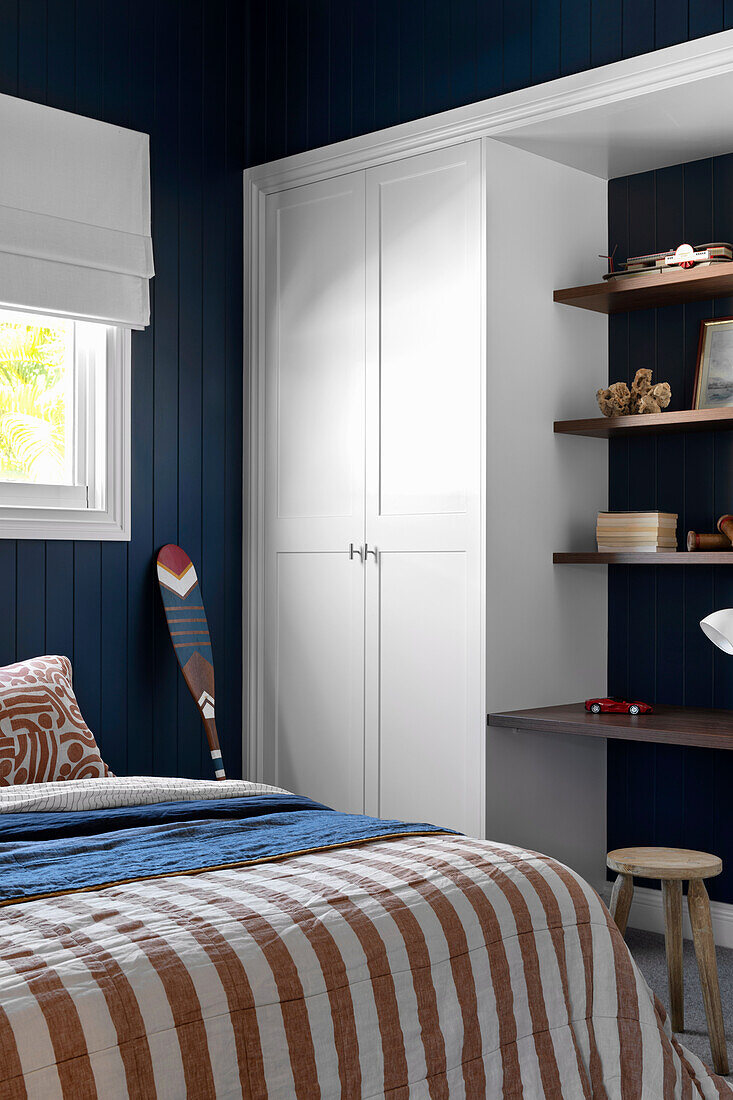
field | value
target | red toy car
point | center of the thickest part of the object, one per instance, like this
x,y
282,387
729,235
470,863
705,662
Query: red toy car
x,y
617,706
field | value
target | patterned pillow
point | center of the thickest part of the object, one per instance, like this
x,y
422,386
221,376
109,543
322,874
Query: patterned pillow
x,y
43,736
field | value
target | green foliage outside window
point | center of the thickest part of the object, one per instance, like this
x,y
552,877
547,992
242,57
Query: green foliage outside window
x,y
33,387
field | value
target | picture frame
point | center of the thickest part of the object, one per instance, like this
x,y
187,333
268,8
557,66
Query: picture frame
x,y
714,368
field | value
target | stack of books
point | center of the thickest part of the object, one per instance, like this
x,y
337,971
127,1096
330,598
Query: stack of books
x,y
707,254
628,532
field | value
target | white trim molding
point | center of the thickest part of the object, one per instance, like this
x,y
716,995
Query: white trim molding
x,y
591,120
254,478
647,914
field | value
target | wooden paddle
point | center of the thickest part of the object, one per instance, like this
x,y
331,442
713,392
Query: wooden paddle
x,y
189,631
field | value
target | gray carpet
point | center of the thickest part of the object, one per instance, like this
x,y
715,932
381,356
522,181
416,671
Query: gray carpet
x,y
648,951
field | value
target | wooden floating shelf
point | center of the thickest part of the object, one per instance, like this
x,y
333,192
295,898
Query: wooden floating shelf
x,y
687,420
675,557
667,725
648,291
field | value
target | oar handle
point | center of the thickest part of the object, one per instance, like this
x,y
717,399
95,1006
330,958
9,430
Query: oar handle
x,y
213,739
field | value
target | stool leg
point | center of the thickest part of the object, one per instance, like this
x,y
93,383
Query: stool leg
x,y
702,934
621,895
672,895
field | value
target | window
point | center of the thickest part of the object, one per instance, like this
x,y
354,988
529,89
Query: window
x,y
64,428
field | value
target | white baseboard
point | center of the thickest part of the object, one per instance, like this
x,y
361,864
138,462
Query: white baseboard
x,y
647,914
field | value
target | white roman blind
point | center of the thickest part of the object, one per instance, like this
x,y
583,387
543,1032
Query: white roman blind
x,y
74,215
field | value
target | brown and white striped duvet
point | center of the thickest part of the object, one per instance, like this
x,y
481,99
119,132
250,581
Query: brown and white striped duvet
x,y
436,966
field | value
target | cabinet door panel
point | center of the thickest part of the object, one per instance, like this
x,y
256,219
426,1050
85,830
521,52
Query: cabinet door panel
x,y
318,670
313,654
315,351
423,683
428,340
425,711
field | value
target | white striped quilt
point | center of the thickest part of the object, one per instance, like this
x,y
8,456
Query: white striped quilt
x,y
60,796
435,966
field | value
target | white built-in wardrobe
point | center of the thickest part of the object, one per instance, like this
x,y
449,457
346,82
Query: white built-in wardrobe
x,y
372,488
405,493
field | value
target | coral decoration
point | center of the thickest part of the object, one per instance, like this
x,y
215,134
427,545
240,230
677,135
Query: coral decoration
x,y
615,401
643,397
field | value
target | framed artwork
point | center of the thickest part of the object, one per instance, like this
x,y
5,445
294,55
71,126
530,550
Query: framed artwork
x,y
714,373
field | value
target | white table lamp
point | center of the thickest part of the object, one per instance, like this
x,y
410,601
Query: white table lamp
x,y
719,629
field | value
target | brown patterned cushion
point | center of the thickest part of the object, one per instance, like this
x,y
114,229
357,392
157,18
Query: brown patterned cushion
x,y
43,736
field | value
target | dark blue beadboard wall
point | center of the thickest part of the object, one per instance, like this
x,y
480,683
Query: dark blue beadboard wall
x,y
222,83
176,70
660,794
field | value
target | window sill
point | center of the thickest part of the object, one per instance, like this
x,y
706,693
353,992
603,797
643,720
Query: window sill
x,y
71,524
17,494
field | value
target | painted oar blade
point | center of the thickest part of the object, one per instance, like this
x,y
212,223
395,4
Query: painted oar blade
x,y
189,631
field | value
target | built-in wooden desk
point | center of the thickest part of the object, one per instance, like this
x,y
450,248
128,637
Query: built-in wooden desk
x,y
711,729
546,773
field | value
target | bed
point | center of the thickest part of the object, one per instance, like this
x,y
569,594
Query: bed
x,y
180,938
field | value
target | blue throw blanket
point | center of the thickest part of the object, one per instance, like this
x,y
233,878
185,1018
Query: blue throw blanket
x,y
51,853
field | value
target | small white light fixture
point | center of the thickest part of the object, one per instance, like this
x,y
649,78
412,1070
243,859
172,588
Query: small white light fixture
x,y
718,627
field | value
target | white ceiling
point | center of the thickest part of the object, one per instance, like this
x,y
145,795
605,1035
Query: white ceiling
x,y
663,108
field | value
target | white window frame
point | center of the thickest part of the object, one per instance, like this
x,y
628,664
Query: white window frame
x,y
97,506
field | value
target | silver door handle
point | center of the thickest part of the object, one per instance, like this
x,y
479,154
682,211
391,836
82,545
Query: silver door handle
x,y
355,551
373,550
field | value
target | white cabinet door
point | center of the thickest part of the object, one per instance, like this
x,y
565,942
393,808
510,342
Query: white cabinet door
x,y
425,713
313,709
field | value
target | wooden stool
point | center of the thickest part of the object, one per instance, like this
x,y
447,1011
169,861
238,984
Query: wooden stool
x,y
672,866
